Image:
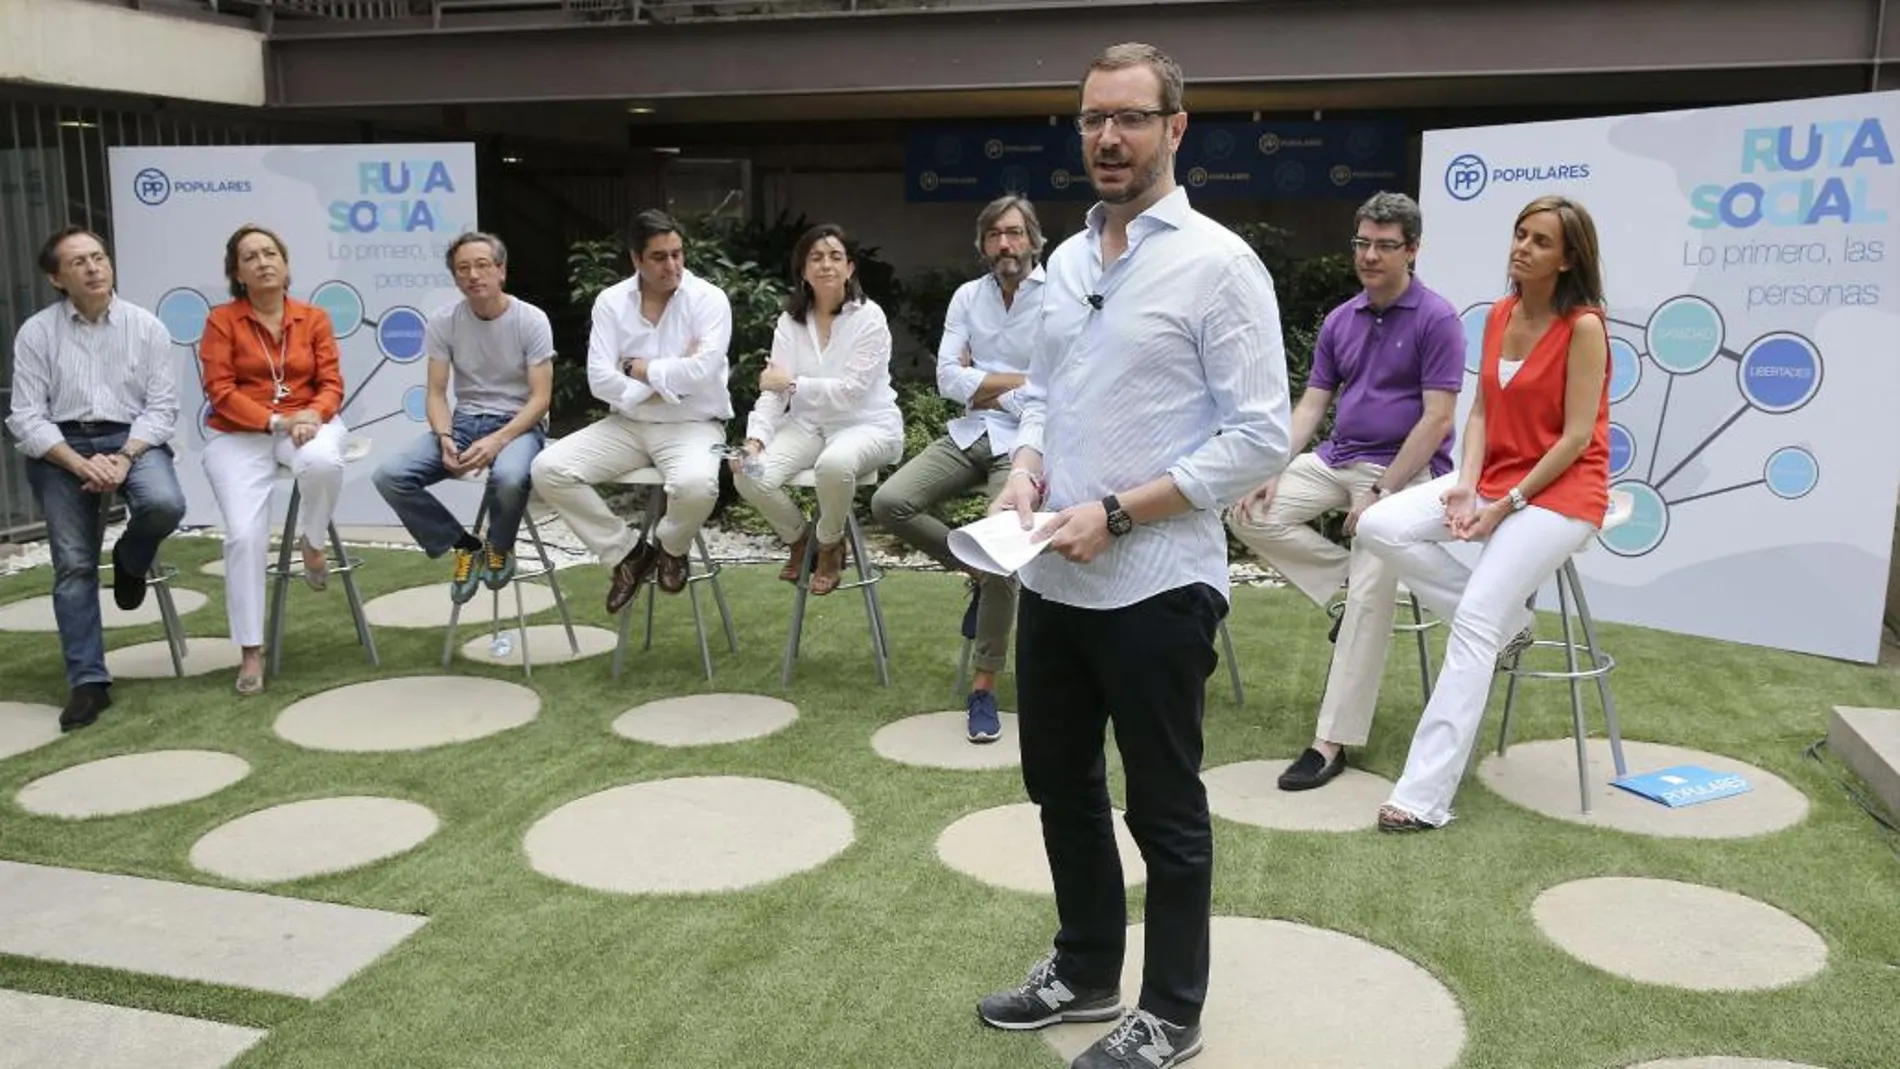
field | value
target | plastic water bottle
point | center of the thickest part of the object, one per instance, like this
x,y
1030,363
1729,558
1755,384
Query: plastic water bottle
x,y
502,645
754,466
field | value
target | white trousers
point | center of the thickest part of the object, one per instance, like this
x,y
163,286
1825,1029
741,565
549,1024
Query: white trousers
x,y
837,459
1283,538
1486,605
566,472
242,467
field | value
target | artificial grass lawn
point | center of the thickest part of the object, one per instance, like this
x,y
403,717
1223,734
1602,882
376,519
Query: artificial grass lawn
x,y
876,958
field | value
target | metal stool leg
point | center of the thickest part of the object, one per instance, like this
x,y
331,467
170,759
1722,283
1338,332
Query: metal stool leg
x,y
1598,659
1510,702
797,628
280,583
719,592
521,622
699,627
356,599
868,578
963,672
1233,663
1577,727
650,507
554,583
455,607
1424,649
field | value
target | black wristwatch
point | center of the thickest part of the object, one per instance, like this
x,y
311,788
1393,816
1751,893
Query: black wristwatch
x,y
1119,522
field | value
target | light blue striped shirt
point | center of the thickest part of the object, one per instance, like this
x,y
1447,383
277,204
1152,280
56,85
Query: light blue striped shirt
x,y
118,370
1181,371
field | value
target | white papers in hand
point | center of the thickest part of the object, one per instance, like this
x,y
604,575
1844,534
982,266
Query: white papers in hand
x,y
998,544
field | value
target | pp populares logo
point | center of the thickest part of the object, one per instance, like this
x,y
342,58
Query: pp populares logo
x,y
151,186
1465,176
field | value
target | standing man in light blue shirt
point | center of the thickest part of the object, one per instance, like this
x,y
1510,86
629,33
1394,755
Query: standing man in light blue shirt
x,y
1157,396
982,363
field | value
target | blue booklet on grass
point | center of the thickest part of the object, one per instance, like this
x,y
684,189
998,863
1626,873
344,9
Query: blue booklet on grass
x,y
1683,785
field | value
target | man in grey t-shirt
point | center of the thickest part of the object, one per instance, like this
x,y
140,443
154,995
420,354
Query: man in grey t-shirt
x,y
499,351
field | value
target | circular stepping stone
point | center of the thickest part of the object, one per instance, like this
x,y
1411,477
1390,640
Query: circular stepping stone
x,y
407,713
1003,848
549,645
941,740
1285,994
705,719
214,568
153,660
290,842
131,783
428,607
1722,1061
1541,775
26,726
1248,792
1678,934
692,835
36,614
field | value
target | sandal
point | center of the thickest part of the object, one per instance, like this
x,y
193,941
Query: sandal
x,y
249,685
826,574
317,578
1398,821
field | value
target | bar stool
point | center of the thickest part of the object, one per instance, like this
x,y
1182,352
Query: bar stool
x,y
341,564
652,508
869,576
1600,662
543,568
1416,628
158,582
1226,641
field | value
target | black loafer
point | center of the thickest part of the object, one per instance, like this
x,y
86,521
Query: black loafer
x,y
128,586
1312,770
83,706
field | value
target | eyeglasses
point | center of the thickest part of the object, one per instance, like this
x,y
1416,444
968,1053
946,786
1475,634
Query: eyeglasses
x,y
1384,247
1016,233
1128,120
478,267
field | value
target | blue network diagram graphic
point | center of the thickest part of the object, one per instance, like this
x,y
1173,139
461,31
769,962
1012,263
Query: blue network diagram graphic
x,y
1685,341
398,334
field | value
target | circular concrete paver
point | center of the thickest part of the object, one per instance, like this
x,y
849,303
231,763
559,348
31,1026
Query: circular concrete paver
x,y
1678,934
1248,792
1722,1061
132,782
705,719
687,836
1285,994
1003,848
428,607
213,568
153,660
289,842
1541,775
407,713
36,614
26,726
941,740
548,642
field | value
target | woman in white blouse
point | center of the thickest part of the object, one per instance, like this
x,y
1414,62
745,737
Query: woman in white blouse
x,y
825,403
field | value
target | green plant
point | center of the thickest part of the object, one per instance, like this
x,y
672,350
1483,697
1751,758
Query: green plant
x,y
926,298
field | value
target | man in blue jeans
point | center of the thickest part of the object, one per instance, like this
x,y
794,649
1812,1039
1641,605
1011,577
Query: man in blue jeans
x,y
499,351
94,403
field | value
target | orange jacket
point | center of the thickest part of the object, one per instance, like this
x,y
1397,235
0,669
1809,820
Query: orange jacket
x,y
237,373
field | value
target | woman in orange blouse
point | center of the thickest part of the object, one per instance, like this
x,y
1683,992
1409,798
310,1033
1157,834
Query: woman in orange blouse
x,y
1532,485
272,377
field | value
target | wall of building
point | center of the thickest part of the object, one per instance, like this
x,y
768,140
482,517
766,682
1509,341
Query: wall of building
x,y
114,49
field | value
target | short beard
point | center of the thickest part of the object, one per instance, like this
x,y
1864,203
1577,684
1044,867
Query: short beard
x,y
1139,183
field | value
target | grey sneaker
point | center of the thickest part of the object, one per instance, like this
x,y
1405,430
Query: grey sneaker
x,y
1142,1041
1045,999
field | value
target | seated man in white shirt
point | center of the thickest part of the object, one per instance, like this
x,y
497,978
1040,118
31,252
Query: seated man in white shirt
x,y
981,363
657,356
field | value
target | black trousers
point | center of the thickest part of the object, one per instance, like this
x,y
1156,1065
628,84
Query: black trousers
x,y
1142,668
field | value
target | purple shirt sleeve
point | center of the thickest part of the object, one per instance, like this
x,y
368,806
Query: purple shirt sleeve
x,y
1323,375
1441,355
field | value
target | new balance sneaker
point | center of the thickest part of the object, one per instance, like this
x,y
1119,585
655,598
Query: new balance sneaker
x,y
1142,1041
984,724
464,577
499,567
1045,999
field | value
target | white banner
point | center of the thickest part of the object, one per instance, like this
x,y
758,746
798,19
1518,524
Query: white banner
x,y
1752,262
367,228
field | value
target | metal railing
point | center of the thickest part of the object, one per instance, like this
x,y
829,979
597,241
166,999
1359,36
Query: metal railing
x,y
306,17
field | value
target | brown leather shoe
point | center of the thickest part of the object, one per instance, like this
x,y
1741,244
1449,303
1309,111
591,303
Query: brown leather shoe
x,y
628,575
824,576
671,572
789,573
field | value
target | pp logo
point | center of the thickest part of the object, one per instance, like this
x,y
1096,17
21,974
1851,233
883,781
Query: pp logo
x,y
927,181
1269,144
1060,179
993,148
1197,176
1341,174
151,186
1465,177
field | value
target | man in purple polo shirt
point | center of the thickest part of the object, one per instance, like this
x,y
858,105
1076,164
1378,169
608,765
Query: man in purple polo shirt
x,y
1394,357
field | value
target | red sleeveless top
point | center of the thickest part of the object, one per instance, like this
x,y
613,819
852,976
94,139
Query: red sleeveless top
x,y
1523,421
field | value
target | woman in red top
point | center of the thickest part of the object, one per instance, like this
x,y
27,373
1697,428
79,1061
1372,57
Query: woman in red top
x,y
272,377
1532,485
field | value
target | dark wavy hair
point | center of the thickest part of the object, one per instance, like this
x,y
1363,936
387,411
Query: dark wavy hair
x,y
231,255
799,303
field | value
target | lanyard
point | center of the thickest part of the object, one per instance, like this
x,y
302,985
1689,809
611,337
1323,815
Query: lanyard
x,y
278,360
